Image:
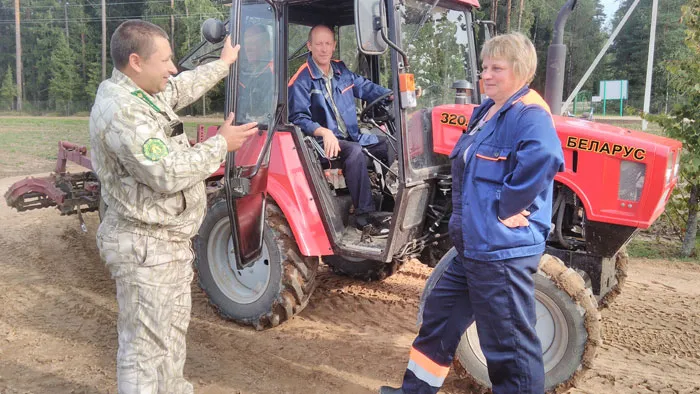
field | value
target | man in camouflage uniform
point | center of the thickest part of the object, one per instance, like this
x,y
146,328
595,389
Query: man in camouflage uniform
x,y
152,183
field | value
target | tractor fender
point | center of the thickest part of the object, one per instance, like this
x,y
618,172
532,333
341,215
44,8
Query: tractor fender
x,y
565,180
287,185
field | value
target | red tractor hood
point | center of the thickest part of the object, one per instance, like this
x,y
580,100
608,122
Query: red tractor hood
x,y
593,157
608,133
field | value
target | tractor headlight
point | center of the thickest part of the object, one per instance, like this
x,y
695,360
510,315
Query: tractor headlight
x,y
632,176
677,165
669,169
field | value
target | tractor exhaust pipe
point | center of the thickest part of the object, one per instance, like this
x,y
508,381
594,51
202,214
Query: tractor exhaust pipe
x,y
556,60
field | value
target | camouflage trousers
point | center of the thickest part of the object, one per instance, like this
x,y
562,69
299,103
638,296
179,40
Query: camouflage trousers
x,y
153,280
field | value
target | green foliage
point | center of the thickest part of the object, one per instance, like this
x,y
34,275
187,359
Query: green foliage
x,y
656,249
64,76
43,23
631,47
94,77
8,90
683,124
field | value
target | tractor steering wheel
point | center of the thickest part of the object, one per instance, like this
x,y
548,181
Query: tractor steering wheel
x,y
373,110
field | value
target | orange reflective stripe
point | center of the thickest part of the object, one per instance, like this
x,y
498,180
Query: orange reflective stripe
x,y
296,75
348,88
480,156
268,65
533,97
427,364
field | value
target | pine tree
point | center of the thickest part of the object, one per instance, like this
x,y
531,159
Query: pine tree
x,y
631,48
94,77
8,90
684,125
64,76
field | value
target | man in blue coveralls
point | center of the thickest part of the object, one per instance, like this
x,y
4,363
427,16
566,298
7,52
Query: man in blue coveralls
x,y
322,103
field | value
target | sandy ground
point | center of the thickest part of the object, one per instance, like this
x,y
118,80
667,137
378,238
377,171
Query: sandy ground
x,y
58,335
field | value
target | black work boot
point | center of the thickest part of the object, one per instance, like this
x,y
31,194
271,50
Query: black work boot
x,y
368,222
390,390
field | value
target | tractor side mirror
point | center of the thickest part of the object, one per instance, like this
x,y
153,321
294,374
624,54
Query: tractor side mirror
x,y
213,30
369,21
489,28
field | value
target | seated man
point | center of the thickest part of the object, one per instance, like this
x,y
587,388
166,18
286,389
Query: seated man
x,y
322,103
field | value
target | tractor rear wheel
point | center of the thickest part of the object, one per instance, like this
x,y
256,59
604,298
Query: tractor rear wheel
x,y
568,325
363,269
272,290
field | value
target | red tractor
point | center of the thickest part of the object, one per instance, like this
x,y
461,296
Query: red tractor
x,y
279,206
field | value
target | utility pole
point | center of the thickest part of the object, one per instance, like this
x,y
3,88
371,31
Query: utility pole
x,y
82,44
172,25
65,13
508,5
597,58
104,41
650,61
520,13
494,12
18,57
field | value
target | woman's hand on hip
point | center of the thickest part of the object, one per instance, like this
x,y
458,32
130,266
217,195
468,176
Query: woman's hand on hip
x,y
517,220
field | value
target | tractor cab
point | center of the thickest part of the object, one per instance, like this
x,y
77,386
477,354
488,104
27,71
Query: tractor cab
x,y
432,63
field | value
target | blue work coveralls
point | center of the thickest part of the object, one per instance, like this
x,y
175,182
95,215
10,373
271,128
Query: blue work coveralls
x,y
310,108
509,166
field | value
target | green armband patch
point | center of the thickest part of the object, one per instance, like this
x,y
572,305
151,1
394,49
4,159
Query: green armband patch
x,y
154,149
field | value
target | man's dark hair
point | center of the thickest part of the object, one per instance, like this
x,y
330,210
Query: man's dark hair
x,y
133,36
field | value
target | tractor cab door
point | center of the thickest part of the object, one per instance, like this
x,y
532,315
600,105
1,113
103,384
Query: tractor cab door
x,y
431,52
251,93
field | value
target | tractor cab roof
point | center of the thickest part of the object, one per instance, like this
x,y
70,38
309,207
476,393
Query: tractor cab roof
x,y
338,12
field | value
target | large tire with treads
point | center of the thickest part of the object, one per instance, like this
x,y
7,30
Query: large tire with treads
x,y
568,326
621,263
273,289
362,269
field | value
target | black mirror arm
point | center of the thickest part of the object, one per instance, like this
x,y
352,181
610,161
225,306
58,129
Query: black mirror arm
x,y
392,45
378,25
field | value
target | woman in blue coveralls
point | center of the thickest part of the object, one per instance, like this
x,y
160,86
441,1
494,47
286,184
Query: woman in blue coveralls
x,y
503,168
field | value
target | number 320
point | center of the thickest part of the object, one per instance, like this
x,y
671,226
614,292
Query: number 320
x,y
453,119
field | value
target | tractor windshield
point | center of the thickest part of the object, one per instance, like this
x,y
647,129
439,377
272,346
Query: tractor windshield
x,y
256,90
437,41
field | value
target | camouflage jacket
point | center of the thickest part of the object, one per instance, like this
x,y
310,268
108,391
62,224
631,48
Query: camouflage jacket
x,y
152,179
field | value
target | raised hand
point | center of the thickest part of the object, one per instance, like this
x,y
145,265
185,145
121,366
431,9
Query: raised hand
x,y
229,54
236,135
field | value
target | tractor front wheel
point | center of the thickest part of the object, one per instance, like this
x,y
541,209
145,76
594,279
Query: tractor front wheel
x,y
272,290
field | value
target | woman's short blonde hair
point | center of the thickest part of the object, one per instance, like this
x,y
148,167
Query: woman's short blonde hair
x,y
516,49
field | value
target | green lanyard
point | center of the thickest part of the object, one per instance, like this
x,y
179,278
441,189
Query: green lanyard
x,y
140,94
